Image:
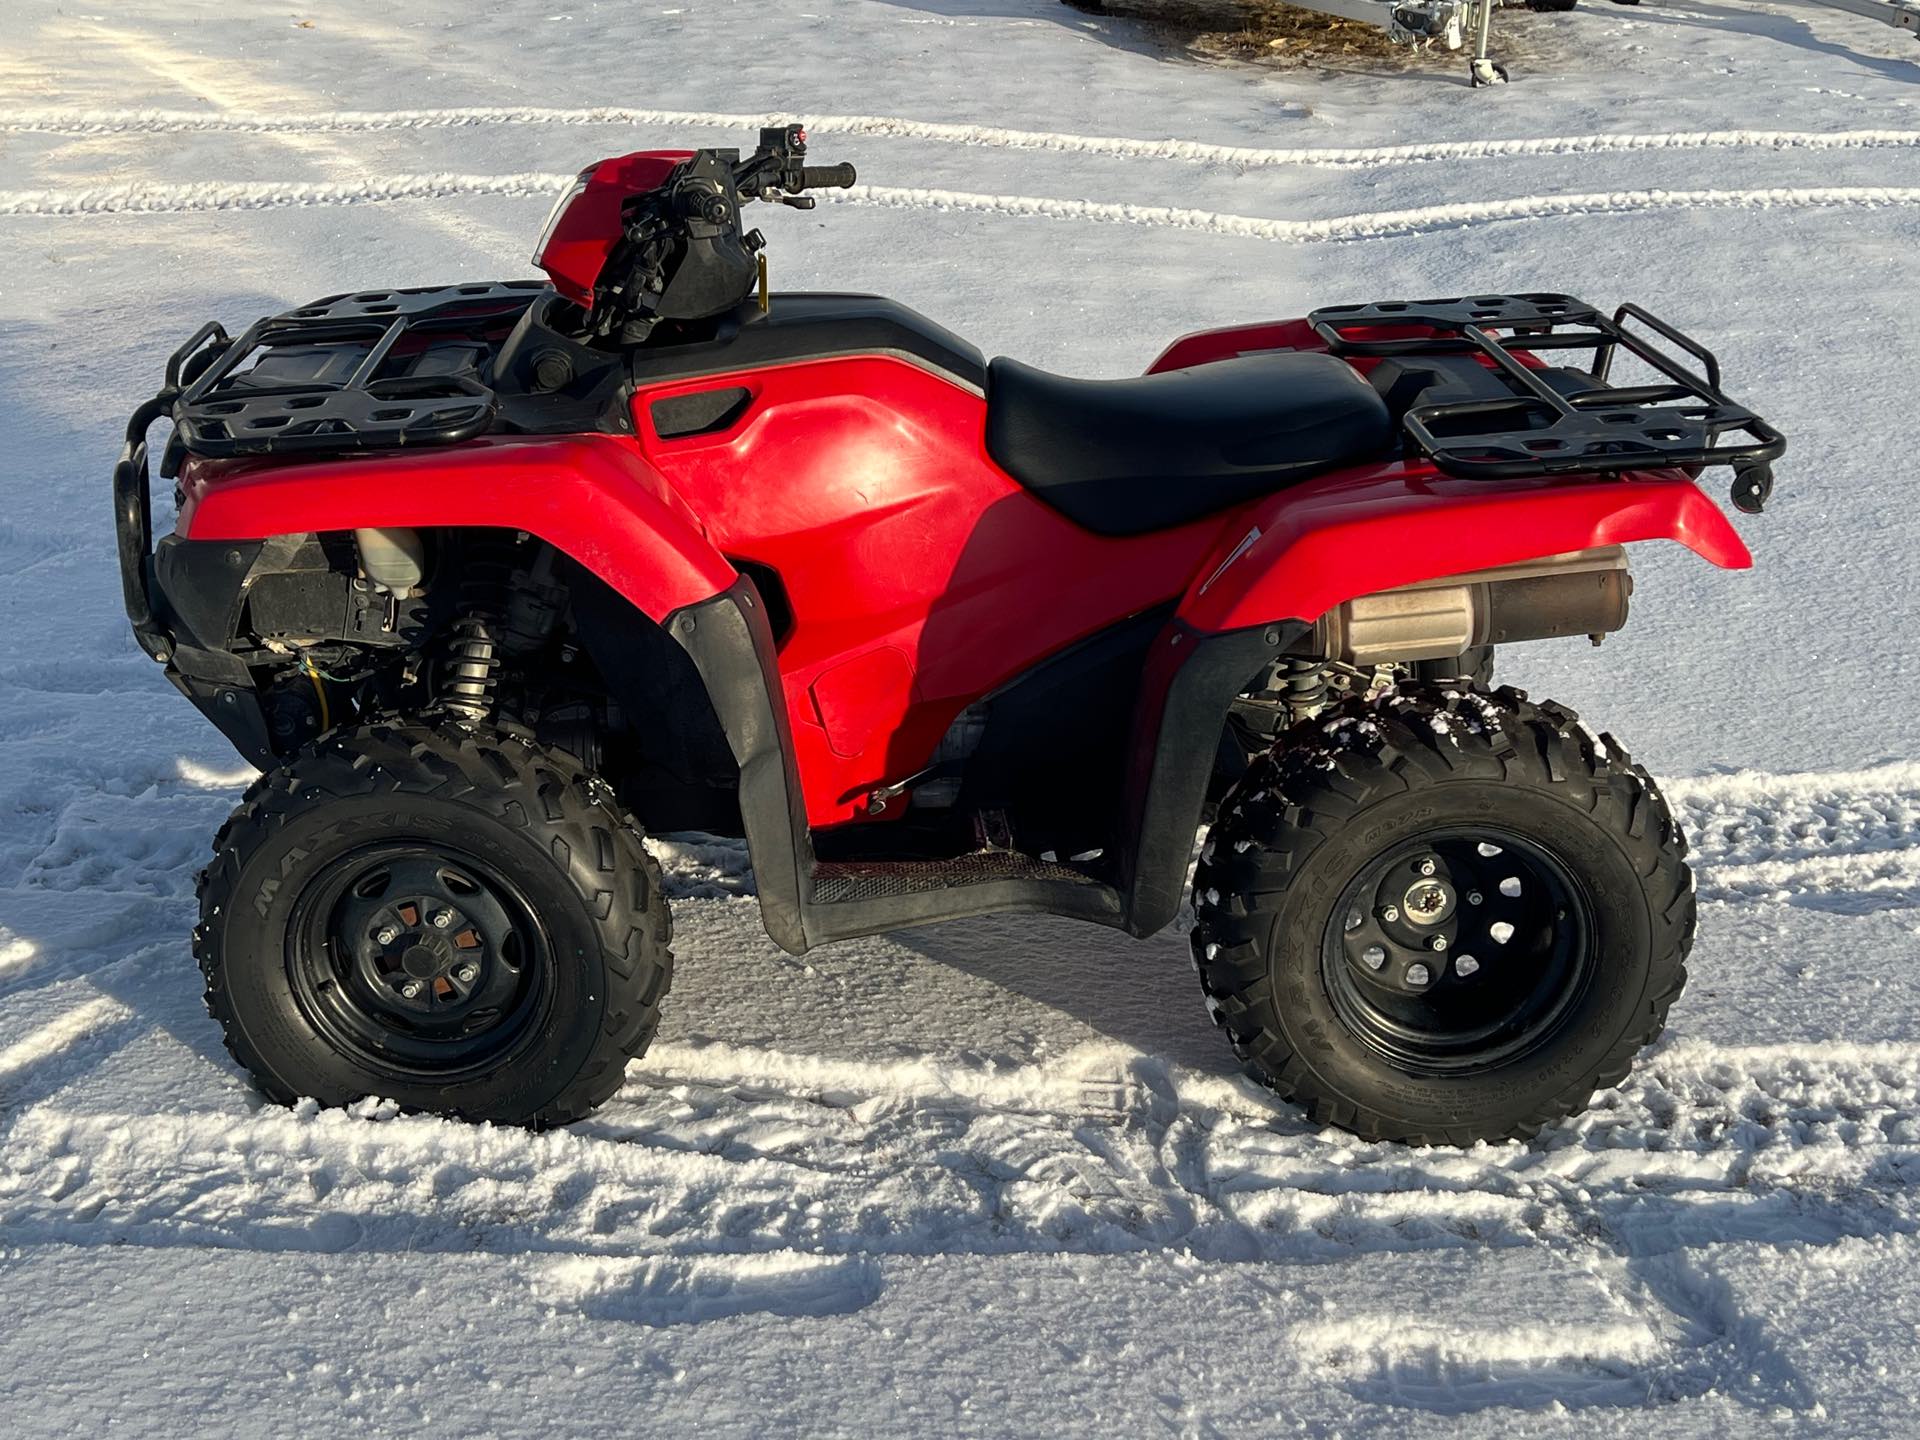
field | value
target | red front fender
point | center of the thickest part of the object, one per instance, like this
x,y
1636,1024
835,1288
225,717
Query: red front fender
x,y
591,496
1299,553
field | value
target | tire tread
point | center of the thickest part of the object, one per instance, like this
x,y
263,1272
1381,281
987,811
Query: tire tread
x,y
1359,752
522,785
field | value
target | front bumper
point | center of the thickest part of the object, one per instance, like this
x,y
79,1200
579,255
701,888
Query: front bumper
x,y
133,530
132,507
178,603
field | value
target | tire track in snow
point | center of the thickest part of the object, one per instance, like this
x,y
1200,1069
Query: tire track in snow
x,y
1843,840
109,122
726,1181
55,1036
711,1152
1389,224
1877,880
1847,840
142,198
229,88
139,198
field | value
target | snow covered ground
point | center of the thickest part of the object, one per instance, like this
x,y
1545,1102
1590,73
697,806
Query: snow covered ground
x,y
996,1177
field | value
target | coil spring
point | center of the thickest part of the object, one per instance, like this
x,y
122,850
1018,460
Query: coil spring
x,y
1302,683
473,669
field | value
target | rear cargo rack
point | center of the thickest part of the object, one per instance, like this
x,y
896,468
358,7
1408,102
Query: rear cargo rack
x,y
1540,429
222,412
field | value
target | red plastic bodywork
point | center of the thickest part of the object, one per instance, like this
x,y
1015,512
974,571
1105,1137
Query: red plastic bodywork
x,y
590,495
1321,543
921,577
1202,347
576,247
1298,553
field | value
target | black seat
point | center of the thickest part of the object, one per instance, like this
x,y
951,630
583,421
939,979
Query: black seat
x,y
1124,457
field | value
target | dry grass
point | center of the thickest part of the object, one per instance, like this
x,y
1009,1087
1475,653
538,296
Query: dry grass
x,y
1256,30
1269,33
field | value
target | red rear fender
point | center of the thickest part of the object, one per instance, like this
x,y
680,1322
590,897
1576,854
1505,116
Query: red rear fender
x,y
1203,347
591,496
1299,553
1304,550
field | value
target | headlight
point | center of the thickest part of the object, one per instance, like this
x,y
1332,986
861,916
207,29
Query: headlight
x,y
559,209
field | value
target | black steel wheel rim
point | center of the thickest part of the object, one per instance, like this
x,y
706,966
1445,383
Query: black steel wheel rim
x,y
1460,951
419,960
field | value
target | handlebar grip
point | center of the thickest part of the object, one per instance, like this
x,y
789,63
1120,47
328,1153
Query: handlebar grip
x,y
829,177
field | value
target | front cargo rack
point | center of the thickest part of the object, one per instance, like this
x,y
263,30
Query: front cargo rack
x,y
368,370
1579,425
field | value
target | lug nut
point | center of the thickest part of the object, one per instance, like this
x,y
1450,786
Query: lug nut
x,y
1473,897
1439,942
411,990
1427,867
387,934
1465,965
1418,975
466,974
1392,912
443,920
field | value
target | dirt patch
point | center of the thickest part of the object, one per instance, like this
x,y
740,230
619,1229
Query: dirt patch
x,y
1267,33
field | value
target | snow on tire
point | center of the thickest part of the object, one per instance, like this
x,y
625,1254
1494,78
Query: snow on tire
x,y
459,921
1443,915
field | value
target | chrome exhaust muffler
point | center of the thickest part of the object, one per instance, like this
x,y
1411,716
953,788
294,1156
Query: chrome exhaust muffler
x,y
1583,592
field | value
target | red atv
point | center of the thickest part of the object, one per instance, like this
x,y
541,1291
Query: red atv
x,y
485,578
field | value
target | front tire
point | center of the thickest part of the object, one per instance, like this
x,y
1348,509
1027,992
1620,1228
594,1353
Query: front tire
x,y
459,921
1442,916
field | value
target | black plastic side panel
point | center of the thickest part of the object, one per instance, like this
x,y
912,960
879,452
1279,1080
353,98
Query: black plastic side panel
x,y
732,647
198,589
700,412
674,766
1056,741
1191,679
1077,899
200,585
233,708
815,327
548,383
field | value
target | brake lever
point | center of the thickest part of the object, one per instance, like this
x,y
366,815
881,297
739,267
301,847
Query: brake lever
x,y
798,202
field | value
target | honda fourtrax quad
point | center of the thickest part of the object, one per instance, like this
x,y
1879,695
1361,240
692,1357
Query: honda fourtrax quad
x,y
491,579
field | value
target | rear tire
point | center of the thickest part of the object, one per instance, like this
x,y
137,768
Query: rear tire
x,y
462,922
1442,814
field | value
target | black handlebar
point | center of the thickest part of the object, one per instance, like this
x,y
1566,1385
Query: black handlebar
x,y
826,177
682,255
778,171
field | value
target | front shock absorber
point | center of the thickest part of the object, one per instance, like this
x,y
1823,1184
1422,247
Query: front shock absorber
x,y
1302,685
472,670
